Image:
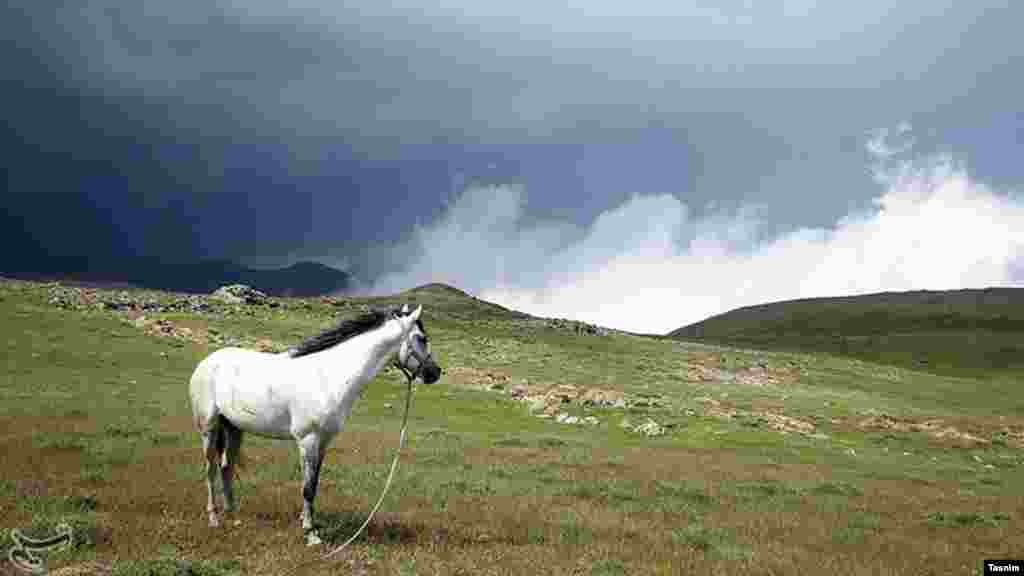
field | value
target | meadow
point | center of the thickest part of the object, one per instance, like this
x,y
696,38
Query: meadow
x,y
763,462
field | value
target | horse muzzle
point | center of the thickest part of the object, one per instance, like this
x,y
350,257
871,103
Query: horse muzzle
x,y
431,373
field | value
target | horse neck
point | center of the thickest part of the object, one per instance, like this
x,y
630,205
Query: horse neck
x,y
358,361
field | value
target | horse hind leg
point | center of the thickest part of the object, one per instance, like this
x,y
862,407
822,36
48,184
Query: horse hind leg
x,y
208,422
213,442
229,461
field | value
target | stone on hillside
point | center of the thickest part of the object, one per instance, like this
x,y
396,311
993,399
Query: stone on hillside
x,y
240,294
564,418
650,428
519,391
606,398
576,327
646,401
567,419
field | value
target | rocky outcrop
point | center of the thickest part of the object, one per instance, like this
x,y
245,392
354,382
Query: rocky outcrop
x,y
575,327
78,298
240,294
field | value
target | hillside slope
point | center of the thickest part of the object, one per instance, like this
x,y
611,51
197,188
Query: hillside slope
x,y
941,331
299,279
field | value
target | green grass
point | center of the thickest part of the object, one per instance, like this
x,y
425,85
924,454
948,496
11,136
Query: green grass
x,y
968,333
96,428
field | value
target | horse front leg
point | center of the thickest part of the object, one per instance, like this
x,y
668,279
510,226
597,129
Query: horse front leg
x,y
312,457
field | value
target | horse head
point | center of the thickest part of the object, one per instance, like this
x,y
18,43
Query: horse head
x,y
414,354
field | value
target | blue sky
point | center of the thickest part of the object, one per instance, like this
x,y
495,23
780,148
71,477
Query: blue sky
x,y
609,146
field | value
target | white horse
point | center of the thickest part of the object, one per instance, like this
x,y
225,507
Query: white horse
x,y
305,394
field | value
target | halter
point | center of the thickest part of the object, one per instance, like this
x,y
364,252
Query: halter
x,y
422,362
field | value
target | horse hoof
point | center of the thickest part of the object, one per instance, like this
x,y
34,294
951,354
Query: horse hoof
x,y
214,521
313,539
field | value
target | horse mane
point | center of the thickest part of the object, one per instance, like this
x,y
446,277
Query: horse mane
x,y
346,330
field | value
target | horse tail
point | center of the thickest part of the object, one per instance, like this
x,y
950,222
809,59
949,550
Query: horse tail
x,y
229,443
220,438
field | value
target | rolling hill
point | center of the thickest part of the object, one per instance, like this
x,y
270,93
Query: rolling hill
x,y
299,279
949,332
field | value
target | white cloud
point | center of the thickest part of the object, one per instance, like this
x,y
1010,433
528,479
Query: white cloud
x,y
648,266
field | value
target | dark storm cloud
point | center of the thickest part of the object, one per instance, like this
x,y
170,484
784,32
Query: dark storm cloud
x,y
274,131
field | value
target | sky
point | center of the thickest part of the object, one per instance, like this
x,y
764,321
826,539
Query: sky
x,y
602,161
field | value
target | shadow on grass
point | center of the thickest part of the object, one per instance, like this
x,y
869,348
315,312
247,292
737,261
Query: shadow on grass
x,y
177,567
711,541
965,519
337,527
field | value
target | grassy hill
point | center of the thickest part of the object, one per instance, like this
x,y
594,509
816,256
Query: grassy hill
x,y
965,332
544,449
299,279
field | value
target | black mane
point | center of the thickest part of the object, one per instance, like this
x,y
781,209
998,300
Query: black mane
x,y
346,330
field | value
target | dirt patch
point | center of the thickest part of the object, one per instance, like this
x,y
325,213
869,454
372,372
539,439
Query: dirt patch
x,y
199,334
84,569
478,379
547,401
784,423
772,420
935,428
709,368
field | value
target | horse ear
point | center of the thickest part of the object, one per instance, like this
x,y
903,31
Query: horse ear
x,y
405,309
416,313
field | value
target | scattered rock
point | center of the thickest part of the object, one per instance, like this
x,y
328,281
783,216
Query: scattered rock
x,y
646,401
603,398
650,428
239,294
77,298
518,391
566,419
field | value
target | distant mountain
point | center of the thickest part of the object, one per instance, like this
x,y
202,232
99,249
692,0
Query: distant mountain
x,y
453,302
300,279
942,331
